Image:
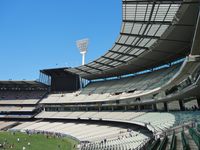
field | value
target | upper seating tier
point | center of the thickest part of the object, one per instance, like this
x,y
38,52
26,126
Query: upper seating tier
x,y
118,89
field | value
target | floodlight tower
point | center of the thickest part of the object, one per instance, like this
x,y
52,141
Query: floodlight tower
x,y
82,46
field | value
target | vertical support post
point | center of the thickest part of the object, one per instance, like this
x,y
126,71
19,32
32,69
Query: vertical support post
x,y
195,50
80,83
125,108
154,107
181,104
83,58
165,106
112,108
139,107
198,101
40,76
49,80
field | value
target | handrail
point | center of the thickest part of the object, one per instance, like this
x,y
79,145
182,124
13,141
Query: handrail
x,y
154,145
184,141
173,143
163,143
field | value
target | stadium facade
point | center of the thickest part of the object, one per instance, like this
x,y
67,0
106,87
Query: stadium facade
x,y
144,92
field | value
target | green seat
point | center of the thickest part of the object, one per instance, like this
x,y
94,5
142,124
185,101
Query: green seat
x,y
195,136
184,141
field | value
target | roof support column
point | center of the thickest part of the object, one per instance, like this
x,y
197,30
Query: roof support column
x,y
125,108
182,105
139,107
154,106
198,101
195,50
86,108
112,108
165,106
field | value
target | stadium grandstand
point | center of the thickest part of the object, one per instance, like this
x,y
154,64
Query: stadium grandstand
x,y
142,94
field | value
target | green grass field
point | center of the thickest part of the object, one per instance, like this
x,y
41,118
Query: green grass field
x,y
37,142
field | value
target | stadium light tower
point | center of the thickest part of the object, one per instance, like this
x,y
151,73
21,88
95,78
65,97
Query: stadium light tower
x,y
82,46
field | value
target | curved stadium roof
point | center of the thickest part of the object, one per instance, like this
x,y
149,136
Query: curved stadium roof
x,y
154,32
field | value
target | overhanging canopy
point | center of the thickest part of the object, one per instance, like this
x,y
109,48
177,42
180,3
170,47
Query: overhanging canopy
x,y
153,32
23,84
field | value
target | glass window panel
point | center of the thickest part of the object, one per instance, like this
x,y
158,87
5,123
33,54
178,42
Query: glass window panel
x,y
83,67
139,52
130,39
169,18
114,55
128,27
104,67
151,42
162,11
128,59
148,12
162,30
123,27
109,54
155,11
124,12
133,50
147,30
116,47
153,30
136,28
100,59
118,38
114,63
143,42
81,73
142,28
135,41
123,48
123,39
105,61
95,65
93,71
124,58
141,10
130,12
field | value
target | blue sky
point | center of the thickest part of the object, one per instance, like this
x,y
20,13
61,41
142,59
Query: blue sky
x,y
40,34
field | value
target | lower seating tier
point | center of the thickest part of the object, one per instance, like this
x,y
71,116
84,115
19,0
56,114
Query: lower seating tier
x,y
157,121
6,124
90,134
